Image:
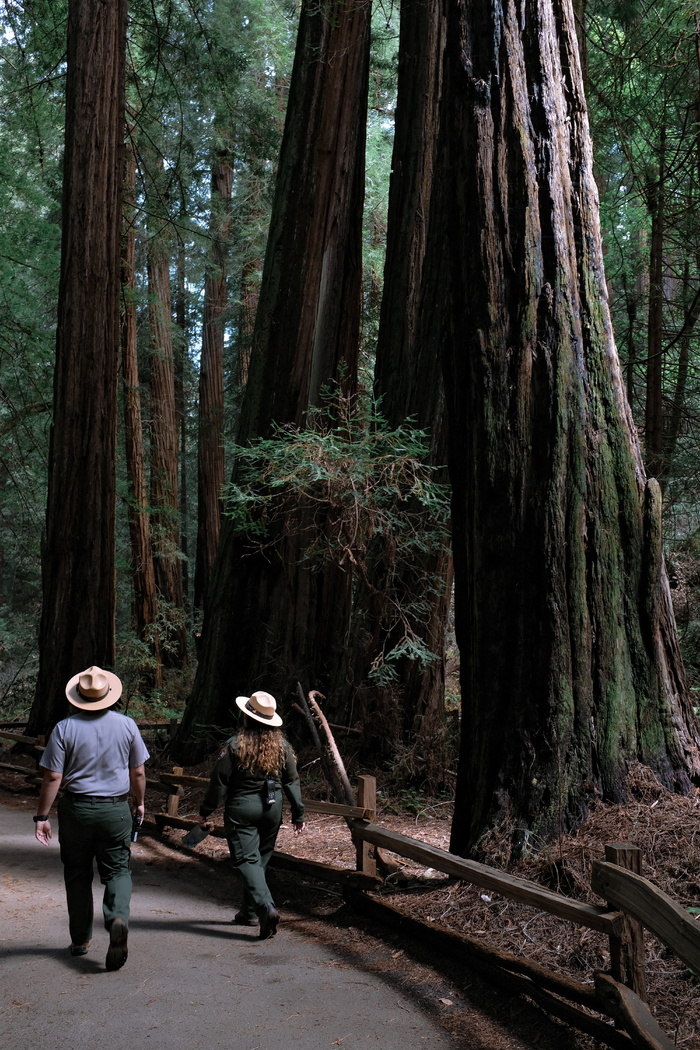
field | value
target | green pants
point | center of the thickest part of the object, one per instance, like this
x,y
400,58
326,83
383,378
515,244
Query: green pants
x,y
94,831
251,831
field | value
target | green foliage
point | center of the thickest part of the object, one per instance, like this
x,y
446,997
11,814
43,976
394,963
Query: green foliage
x,y
362,497
18,666
367,480
31,136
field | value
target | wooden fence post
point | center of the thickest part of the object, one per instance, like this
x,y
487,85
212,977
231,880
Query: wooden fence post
x,y
627,960
365,851
175,794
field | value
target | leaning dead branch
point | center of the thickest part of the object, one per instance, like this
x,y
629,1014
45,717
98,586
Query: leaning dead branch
x,y
332,762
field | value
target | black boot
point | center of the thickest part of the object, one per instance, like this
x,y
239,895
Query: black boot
x,y
269,917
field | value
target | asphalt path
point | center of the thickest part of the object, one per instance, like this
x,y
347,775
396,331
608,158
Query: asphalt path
x,y
192,979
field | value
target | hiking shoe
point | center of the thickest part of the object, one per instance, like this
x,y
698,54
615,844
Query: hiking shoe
x,y
117,951
269,917
79,949
242,918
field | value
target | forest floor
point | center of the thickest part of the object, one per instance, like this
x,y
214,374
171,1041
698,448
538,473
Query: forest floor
x,y
665,826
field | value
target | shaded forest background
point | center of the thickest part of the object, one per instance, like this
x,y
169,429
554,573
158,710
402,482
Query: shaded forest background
x,y
207,86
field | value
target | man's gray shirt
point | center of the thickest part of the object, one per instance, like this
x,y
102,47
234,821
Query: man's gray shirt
x,y
95,752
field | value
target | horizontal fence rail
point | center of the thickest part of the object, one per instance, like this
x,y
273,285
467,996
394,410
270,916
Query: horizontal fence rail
x,y
601,919
658,912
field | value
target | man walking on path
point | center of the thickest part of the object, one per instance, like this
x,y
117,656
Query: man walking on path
x,y
97,756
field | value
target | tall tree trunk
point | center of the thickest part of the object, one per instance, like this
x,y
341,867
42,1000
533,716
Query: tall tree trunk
x,y
407,378
270,621
249,296
164,460
631,301
211,380
308,318
569,657
78,567
654,417
691,315
180,352
145,599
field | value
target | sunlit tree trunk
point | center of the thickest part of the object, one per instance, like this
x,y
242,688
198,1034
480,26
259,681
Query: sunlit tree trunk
x,y
570,664
78,559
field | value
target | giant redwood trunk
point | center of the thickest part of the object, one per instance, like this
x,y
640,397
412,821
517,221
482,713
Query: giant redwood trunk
x,y
269,620
210,448
569,656
78,567
406,380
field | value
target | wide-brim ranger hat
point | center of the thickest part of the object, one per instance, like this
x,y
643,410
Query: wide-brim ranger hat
x,y
260,706
94,689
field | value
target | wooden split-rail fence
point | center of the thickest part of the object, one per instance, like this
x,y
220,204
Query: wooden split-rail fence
x,y
633,905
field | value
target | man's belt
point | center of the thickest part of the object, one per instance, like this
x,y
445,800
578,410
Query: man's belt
x,y
97,798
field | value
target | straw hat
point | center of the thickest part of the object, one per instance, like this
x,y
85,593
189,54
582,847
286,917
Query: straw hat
x,y
260,706
94,689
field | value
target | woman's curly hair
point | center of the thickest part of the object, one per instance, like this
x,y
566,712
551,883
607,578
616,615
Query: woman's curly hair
x,y
260,750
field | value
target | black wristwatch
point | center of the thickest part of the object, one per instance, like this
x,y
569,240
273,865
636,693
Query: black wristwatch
x,y
37,819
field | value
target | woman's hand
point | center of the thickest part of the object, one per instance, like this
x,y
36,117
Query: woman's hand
x,y
43,831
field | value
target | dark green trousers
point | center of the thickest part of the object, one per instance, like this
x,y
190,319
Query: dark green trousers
x,y
251,831
91,832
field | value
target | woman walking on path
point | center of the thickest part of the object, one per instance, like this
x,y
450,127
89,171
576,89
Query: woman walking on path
x,y
252,770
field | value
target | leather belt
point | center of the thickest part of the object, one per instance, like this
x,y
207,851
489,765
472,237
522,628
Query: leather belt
x,y
97,798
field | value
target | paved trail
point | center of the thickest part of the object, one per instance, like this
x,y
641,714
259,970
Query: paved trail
x,y
192,980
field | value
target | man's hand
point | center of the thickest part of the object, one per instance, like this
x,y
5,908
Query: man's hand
x,y
43,831
298,827
47,796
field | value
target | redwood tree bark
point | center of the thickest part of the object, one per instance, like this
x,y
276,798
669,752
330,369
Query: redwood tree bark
x,y
654,410
165,513
145,598
77,621
569,656
406,377
270,621
210,449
